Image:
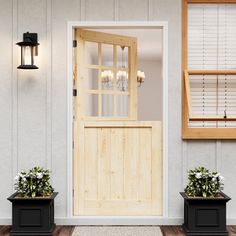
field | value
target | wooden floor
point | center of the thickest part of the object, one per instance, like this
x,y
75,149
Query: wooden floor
x,y
59,231
177,231
67,231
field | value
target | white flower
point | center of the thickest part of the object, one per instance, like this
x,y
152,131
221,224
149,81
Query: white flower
x,y
39,175
24,179
221,178
198,175
21,175
17,178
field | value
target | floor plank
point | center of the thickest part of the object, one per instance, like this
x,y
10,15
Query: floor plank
x,y
4,230
63,231
172,231
178,231
59,231
232,230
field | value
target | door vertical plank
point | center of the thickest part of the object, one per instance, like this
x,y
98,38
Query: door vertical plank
x,y
91,163
145,162
80,101
117,164
133,81
78,168
114,81
157,176
104,164
75,79
131,152
100,105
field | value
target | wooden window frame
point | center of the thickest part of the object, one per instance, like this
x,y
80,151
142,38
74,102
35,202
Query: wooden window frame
x,y
200,133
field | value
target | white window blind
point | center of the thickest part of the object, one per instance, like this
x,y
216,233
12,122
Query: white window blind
x,y
212,46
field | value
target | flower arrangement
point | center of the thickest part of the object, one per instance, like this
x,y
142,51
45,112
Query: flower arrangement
x,y
34,183
204,183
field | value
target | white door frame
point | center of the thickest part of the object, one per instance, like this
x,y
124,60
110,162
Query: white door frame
x,y
115,220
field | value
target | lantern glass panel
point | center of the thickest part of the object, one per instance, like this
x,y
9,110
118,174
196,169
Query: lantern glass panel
x,y
27,55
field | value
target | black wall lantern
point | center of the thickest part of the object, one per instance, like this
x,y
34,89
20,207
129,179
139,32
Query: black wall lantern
x,y
29,49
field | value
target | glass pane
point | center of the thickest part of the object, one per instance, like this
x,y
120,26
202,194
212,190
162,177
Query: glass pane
x,y
122,80
122,57
107,55
91,79
107,105
107,78
26,55
123,106
91,53
91,105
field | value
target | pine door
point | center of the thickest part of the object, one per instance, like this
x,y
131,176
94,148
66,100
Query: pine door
x,y
117,159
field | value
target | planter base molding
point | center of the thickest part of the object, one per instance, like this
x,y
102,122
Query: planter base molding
x,y
49,233
204,233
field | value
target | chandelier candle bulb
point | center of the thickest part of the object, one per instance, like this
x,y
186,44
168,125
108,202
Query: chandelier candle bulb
x,y
122,73
107,75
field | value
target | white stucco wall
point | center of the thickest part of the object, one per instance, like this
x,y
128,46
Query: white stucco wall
x,y
33,120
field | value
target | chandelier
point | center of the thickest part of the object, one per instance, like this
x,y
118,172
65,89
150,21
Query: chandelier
x,y
122,76
107,79
122,80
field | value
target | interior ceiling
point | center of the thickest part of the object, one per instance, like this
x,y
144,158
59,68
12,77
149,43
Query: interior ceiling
x,y
149,41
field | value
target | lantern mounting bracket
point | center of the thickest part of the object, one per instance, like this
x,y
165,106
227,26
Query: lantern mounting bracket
x,y
30,37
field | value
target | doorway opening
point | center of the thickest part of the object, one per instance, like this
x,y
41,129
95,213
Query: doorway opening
x,y
118,122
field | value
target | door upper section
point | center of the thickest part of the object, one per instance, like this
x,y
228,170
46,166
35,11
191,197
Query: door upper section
x,y
105,76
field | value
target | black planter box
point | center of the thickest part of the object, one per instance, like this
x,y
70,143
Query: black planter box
x,y
205,216
32,216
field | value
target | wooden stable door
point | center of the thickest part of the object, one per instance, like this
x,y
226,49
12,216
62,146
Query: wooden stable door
x,y
117,159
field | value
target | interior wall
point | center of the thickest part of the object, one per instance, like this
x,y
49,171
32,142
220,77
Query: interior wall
x,y
150,92
33,105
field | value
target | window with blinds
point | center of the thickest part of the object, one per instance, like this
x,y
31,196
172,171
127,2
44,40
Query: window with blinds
x,y
209,65
212,46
